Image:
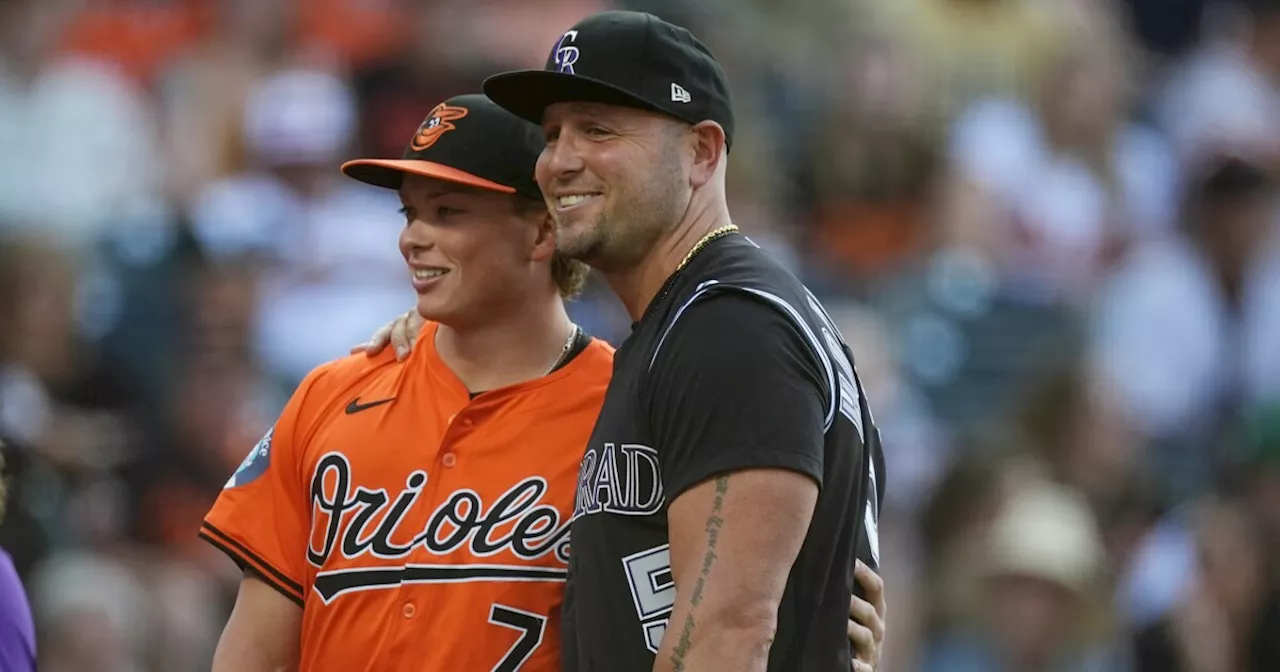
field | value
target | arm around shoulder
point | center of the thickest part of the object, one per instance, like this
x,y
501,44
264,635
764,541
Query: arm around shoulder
x,y
263,633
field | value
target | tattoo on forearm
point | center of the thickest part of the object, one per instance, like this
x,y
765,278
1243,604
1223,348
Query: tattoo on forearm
x,y
714,523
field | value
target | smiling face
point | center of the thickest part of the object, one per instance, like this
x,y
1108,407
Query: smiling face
x,y
472,253
615,179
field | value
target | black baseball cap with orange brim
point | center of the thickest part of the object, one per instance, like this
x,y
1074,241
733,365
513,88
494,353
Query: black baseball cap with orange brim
x,y
466,140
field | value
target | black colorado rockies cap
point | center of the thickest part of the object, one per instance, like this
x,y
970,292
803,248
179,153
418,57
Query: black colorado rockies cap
x,y
467,140
633,59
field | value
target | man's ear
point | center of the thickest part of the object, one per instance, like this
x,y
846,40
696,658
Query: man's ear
x,y
544,242
709,152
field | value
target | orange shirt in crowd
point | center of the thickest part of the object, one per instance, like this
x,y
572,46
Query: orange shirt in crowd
x,y
141,36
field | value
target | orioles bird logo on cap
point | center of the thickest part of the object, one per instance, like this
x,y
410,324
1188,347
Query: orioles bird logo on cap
x,y
436,124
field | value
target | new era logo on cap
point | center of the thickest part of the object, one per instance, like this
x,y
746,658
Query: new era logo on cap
x,y
631,59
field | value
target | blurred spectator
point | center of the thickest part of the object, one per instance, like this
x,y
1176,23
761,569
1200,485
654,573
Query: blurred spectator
x,y
1185,330
954,528
137,308
191,607
138,36
92,614
1258,477
79,138
141,36
1229,619
871,168
199,443
1070,424
354,32
1036,197
1167,29
68,414
326,244
895,91
1053,190
960,50
1225,99
202,90
1042,561
965,340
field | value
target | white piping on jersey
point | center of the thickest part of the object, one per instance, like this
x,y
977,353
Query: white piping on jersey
x,y
697,292
814,343
840,348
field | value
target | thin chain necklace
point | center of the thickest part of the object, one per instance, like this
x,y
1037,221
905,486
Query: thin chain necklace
x,y
564,352
706,240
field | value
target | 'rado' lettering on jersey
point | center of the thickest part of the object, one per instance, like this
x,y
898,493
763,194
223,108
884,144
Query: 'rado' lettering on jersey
x,y
622,478
517,521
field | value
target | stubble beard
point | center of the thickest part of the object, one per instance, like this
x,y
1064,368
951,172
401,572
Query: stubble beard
x,y
623,233
586,243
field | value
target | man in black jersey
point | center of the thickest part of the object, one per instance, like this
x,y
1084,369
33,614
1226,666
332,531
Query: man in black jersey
x,y
733,478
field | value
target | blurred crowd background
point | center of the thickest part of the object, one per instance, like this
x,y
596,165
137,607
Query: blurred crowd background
x,y
1048,228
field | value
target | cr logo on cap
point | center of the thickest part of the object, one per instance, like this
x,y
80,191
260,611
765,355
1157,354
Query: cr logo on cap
x,y
436,124
565,56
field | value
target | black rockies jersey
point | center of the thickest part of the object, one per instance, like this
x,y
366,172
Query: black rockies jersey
x,y
784,395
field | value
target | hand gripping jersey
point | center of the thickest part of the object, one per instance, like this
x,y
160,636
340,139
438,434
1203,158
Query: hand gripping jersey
x,y
734,366
418,528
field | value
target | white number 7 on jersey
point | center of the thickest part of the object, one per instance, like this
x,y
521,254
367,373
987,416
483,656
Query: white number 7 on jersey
x,y
531,628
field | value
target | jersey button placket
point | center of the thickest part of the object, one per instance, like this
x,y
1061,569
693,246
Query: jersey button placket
x,y
448,458
409,610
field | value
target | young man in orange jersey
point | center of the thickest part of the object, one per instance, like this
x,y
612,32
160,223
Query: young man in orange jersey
x,y
413,515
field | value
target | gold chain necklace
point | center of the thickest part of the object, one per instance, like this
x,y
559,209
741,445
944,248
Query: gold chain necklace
x,y
697,247
706,240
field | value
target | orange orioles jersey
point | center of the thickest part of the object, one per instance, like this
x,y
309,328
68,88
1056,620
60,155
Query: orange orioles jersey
x,y
418,528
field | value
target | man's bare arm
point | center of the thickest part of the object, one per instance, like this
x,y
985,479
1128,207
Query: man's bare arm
x,y
263,633
733,541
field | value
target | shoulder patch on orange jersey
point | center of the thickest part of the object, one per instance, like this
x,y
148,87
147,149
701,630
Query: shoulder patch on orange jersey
x,y
254,464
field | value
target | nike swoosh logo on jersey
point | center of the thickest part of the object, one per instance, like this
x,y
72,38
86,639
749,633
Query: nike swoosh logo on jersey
x,y
355,406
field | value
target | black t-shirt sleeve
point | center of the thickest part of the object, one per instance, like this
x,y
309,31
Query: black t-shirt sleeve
x,y
734,385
